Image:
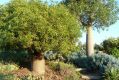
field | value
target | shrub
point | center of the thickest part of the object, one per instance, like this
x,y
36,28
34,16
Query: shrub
x,y
115,52
110,44
14,56
97,62
81,60
5,70
111,74
66,70
58,66
7,77
8,67
102,61
19,57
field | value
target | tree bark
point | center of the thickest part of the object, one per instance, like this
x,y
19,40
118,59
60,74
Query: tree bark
x,y
38,65
89,41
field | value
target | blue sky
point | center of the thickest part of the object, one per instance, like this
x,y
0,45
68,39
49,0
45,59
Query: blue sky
x,y
112,31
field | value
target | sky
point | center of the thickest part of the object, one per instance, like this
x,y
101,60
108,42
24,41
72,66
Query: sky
x,y
112,31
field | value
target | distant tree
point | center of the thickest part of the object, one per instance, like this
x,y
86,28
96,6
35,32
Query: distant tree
x,y
38,28
93,14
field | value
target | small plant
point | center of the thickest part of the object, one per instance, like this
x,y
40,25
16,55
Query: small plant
x,y
66,70
31,77
111,74
58,66
8,67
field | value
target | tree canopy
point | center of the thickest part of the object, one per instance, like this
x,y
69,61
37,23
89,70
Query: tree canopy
x,y
32,24
93,14
99,13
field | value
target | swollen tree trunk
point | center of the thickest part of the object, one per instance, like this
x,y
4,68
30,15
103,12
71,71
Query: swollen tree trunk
x,y
38,65
89,41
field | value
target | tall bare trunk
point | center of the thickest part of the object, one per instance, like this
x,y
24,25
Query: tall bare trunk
x,y
89,41
38,65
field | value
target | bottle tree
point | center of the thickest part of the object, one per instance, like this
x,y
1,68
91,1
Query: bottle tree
x,y
38,27
93,14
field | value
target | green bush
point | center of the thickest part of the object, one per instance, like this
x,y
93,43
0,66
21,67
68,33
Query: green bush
x,y
8,67
14,56
58,66
5,69
7,77
97,62
111,74
81,60
66,70
20,57
115,52
111,44
102,61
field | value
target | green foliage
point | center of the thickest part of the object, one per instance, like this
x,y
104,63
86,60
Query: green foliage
x,y
72,77
30,77
36,26
106,65
14,56
14,77
111,74
98,48
93,14
99,13
80,60
19,57
5,70
8,77
110,46
66,70
8,67
115,52
99,62
103,61
59,66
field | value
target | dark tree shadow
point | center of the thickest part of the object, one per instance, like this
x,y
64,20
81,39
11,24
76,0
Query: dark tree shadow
x,y
19,57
